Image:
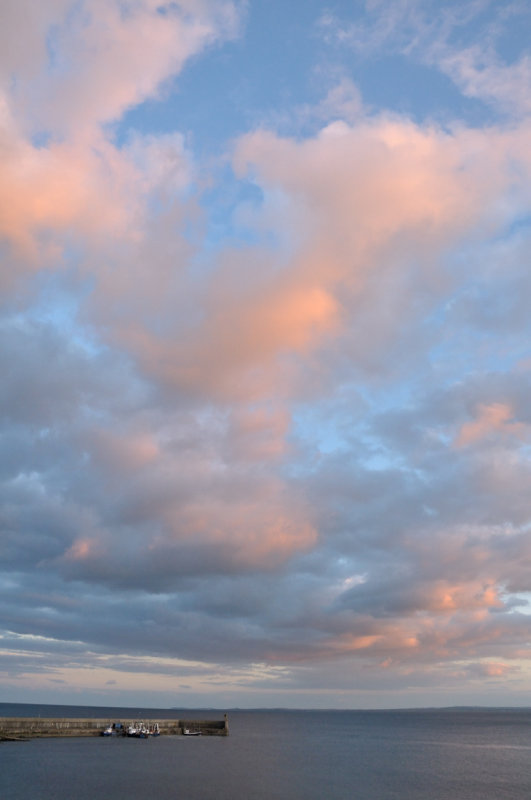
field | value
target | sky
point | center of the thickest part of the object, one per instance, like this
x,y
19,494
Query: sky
x,y
265,433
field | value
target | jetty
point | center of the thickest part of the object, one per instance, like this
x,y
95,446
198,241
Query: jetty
x,y
23,728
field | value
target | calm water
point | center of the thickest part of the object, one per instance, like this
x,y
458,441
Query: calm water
x,y
282,755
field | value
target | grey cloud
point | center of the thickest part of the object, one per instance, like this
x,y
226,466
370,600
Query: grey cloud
x,y
190,600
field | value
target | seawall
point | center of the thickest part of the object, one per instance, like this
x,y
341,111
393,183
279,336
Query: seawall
x,y
14,728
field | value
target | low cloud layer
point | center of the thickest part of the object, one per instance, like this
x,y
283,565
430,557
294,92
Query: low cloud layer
x,y
265,425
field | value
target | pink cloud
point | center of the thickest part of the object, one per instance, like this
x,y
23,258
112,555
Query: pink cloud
x,y
258,433
443,597
232,350
262,529
123,453
496,418
48,192
491,669
498,670
110,55
358,190
357,203
83,549
196,536
23,33
379,637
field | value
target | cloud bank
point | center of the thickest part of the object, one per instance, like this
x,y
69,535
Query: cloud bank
x,y
272,449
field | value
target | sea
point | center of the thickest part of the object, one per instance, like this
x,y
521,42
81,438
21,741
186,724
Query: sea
x,y
428,754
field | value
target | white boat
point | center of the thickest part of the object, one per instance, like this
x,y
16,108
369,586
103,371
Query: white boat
x,y
143,731
188,732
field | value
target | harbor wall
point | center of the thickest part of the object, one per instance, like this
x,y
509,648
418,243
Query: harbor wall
x,y
33,727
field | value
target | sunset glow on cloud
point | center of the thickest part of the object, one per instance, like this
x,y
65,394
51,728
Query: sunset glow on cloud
x,y
265,353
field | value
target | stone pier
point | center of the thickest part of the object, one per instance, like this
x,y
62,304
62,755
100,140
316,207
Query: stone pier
x,y
19,728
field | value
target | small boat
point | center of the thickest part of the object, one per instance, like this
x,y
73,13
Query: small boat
x,y
138,730
189,732
116,729
143,731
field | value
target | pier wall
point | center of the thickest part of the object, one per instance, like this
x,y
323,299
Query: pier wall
x,y
33,727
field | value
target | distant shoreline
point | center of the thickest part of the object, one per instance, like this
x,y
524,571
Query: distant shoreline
x,y
265,709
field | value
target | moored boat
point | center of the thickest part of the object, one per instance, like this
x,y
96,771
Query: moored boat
x,y
143,731
139,730
115,729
